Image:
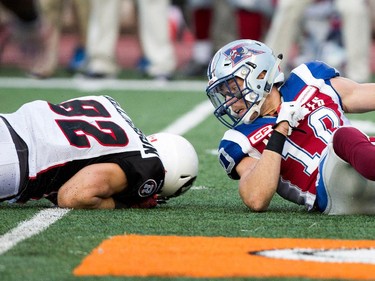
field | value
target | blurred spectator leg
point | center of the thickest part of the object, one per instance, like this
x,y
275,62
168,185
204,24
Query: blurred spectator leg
x,y
250,24
81,9
102,36
356,30
155,38
223,15
46,64
253,18
285,27
202,14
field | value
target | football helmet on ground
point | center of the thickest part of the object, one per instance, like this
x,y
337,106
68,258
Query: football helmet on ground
x,y
251,61
180,162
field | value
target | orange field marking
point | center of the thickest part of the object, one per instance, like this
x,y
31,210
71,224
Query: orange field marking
x,y
176,256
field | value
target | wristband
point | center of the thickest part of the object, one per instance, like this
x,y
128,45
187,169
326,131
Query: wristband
x,y
276,142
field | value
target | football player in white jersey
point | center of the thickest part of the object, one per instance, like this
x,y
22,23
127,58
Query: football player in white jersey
x,y
86,153
291,136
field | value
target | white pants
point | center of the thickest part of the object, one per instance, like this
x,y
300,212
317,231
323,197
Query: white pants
x,y
103,33
9,164
341,190
154,34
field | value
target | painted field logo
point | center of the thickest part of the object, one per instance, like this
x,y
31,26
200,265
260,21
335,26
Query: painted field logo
x,y
225,257
342,255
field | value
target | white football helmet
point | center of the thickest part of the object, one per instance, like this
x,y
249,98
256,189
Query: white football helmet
x,y
180,162
245,59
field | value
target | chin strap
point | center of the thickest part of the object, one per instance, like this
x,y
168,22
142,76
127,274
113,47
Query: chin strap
x,y
254,109
271,76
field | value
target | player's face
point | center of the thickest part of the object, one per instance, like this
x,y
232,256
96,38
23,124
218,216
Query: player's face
x,y
241,106
233,95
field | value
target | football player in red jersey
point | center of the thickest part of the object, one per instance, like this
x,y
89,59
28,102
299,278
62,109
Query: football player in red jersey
x,y
291,136
86,153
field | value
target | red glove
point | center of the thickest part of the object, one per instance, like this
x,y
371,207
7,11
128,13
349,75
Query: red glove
x,y
146,203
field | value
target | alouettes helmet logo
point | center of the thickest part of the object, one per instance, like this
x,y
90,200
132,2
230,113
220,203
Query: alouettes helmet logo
x,y
239,53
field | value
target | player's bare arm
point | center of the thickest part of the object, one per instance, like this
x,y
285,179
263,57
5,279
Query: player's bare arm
x,y
294,126
259,178
92,187
356,98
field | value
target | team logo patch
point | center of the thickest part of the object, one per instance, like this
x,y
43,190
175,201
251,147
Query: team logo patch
x,y
230,257
239,53
148,188
260,134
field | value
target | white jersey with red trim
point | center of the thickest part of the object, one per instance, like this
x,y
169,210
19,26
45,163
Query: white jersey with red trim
x,y
309,84
77,129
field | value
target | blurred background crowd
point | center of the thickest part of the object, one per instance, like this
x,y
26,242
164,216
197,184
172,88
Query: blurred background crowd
x,y
166,39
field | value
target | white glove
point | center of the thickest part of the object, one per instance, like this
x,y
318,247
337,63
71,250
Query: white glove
x,y
292,112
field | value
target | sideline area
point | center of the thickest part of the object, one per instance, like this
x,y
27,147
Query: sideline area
x,y
83,84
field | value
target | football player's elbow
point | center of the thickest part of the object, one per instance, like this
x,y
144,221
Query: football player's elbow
x,y
62,202
254,200
77,201
255,204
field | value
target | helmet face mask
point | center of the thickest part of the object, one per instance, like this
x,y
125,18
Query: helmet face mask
x,y
227,92
250,62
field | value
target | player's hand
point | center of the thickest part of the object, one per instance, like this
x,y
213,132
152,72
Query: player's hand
x,y
146,203
291,112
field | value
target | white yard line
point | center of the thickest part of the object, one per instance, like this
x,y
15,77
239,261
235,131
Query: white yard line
x,y
191,119
30,227
46,217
